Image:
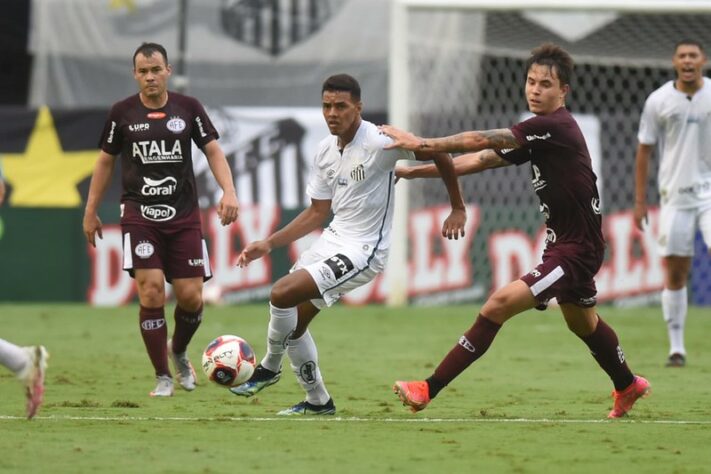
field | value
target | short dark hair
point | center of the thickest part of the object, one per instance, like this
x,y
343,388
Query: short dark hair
x,y
688,42
344,83
555,57
147,49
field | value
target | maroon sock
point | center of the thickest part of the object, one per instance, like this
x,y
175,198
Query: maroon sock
x,y
472,345
186,323
155,337
605,348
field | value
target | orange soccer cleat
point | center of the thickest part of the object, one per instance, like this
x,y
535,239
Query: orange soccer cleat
x,y
625,399
415,394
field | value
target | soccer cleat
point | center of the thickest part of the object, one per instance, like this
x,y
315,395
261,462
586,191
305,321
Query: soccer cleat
x,y
625,399
260,379
414,394
32,377
164,387
676,360
306,408
183,368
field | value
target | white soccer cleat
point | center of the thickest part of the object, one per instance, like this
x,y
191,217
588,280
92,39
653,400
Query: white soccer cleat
x,y
32,377
164,388
183,368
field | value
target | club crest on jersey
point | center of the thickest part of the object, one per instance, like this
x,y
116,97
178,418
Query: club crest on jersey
x,y
144,249
175,124
358,173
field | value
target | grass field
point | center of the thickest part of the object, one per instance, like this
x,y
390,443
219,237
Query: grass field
x,y
535,403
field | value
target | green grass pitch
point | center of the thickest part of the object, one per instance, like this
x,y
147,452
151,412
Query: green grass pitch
x,y
536,403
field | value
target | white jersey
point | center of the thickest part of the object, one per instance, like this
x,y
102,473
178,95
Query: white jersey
x,y
681,127
360,184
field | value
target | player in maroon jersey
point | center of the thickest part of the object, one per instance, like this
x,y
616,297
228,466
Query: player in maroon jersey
x,y
564,181
152,132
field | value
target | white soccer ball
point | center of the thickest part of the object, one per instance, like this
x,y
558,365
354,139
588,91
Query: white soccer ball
x,y
228,360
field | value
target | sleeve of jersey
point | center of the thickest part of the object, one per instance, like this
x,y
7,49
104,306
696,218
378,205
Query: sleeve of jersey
x,y
648,129
111,138
203,129
317,187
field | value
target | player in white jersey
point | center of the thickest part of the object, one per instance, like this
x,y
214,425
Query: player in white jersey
x,y
352,177
28,364
677,120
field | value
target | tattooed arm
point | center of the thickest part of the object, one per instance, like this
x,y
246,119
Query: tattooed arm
x,y
462,142
470,163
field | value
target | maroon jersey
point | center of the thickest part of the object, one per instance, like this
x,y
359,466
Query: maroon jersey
x,y
156,158
563,179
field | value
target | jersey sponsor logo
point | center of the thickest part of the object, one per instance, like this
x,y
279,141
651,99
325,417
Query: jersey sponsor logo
x,y
196,262
111,132
342,181
588,302
139,127
506,150
697,188
358,173
538,182
535,273
201,128
152,151
175,124
144,249
158,212
545,210
339,265
155,115
531,138
464,342
151,324
551,236
595,204
161,187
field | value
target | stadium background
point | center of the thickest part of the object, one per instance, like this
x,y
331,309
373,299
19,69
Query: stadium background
x,y
258,66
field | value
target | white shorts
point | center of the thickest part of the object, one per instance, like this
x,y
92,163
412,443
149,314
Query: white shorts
x,y
338,268
677,229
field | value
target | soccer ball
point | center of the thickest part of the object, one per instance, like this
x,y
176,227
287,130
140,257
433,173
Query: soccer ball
x,y
228,360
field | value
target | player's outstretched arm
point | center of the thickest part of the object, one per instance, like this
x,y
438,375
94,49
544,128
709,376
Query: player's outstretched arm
x,y
470,163
100,180
644,152
228,208
306,222
462,142
453,225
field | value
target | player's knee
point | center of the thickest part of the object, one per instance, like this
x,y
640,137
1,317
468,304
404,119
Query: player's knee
x,y
152,295
189,301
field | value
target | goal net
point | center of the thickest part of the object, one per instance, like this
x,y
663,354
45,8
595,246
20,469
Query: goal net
x,y
459,65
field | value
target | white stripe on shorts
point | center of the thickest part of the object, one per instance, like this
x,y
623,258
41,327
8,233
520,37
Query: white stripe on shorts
x,y
127,256
206,260
547,281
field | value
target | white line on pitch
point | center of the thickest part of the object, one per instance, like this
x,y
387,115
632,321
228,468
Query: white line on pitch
x,y
360,420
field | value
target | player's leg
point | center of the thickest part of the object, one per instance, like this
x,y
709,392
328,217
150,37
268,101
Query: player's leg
x,y
150,284
677,228
605,347
505,303
29,365
289,298
188,316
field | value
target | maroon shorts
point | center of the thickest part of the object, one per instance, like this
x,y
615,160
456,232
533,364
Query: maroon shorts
x,y
567,274
180,253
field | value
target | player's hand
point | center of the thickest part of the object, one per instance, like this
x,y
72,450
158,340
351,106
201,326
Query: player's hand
x,y
402,172
453,226
640,215
401,138
253,251
92,227
228,209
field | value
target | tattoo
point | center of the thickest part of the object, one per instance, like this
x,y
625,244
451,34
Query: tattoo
x,y
491,159
500,138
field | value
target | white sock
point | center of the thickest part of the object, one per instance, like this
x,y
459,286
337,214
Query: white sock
x,y
282,323
13,357
304,362
674,304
